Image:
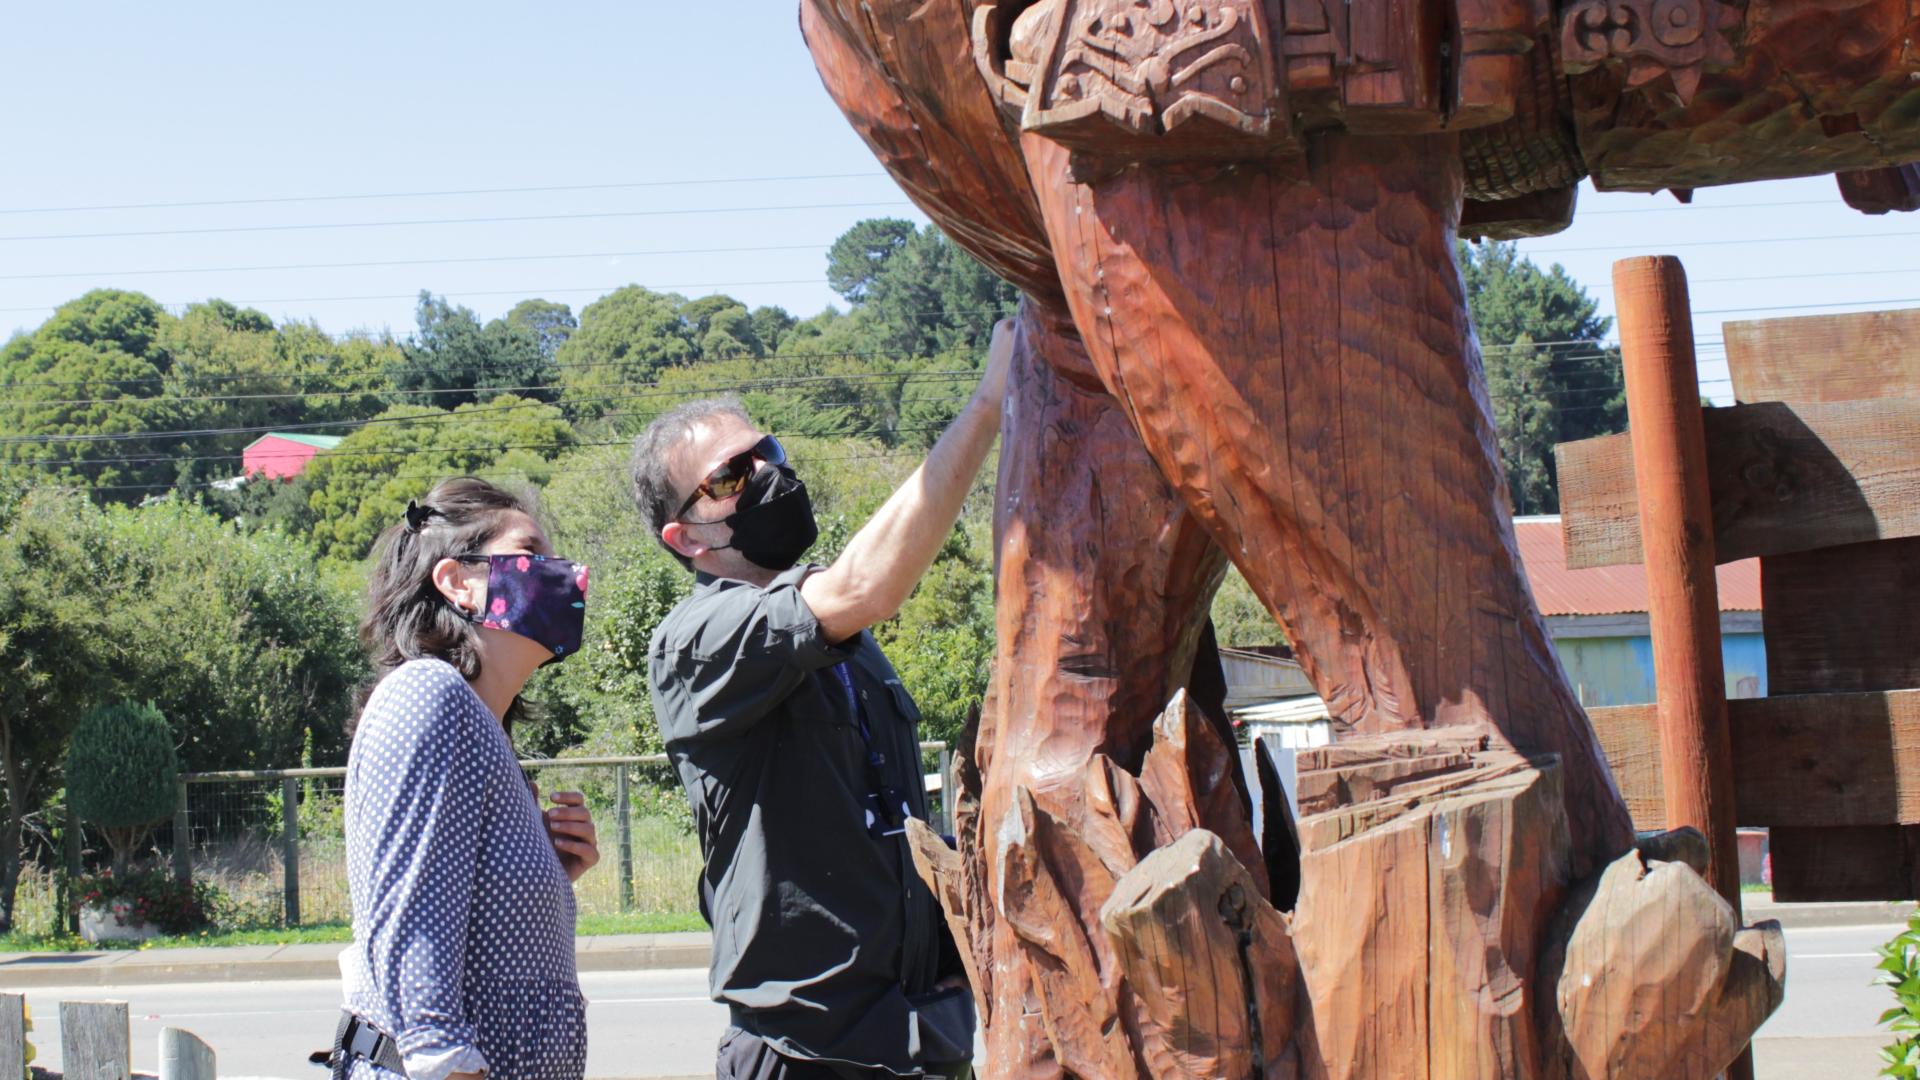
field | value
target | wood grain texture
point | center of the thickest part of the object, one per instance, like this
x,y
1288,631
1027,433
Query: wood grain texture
x,y
1882,191
1858,862
95,1040
1677,537
1799,760
13,1035
1782,478
185,1056
1820,358
1383,548
1810,89
1210,961
1843,618
1658,978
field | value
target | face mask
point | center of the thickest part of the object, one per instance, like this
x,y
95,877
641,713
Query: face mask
x,y
540,598
773,521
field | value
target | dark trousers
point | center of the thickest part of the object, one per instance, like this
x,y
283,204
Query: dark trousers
x,y
748,1057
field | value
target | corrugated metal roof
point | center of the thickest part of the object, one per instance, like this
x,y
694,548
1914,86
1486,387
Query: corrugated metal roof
x,y
321,442
1609,590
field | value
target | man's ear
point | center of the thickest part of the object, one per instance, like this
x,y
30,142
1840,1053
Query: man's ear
x,y
676,537
450,577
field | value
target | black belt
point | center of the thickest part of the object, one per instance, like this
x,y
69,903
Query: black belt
x,y
359,1038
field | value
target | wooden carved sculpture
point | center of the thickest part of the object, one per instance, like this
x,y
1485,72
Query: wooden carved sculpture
x,y
1245,338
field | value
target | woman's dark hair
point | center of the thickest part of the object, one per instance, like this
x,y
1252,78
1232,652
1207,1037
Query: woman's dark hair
x,y
407,618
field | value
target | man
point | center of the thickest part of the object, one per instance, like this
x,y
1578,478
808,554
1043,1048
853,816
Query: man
x,y
797,746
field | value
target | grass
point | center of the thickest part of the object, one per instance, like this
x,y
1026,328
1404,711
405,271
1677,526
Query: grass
x,y
589,926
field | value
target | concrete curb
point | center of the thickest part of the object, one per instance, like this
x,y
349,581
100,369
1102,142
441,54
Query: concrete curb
x,y
625,952
1757,906
260,963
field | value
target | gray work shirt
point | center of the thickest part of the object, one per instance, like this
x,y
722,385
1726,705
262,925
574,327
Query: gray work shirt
x,y
825,941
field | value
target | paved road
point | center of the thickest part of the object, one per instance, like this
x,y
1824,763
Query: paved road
x,y
660,1023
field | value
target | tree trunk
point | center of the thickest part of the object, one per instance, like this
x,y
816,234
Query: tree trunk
x,y
10,829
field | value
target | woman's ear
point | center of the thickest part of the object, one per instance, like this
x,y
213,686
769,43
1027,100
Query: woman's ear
x,y
459,587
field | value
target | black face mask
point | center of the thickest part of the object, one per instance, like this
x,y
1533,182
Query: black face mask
x,y
773,521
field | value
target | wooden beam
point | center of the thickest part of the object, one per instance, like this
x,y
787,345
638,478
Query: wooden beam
x,y
1783,478
1683,599
1856,862
1844,618
1867,354
1801,760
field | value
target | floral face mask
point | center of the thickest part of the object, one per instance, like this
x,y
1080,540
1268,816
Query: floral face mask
x,y
539,597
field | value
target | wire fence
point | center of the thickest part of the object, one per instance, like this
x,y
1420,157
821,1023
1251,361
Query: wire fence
x,y
273,843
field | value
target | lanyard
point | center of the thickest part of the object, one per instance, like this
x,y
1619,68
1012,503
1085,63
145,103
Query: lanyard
x,y
883,819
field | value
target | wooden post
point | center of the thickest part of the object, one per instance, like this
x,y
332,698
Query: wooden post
x,y
623,824
290,846
70,849
183,1056
1676,532
95,1040
13,1036
182,835
946,790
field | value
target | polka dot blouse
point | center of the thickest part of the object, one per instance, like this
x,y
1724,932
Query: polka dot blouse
x,y
463,918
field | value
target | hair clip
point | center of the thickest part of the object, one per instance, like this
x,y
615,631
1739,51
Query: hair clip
x,y
417,516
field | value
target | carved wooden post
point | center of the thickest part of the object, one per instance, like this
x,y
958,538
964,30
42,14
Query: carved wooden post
x,y
1676,530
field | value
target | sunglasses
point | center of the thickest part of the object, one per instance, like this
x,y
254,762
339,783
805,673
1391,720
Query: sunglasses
x,y
733,473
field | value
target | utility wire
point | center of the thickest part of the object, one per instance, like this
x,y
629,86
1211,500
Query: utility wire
x,y
416,262
595,216
443,194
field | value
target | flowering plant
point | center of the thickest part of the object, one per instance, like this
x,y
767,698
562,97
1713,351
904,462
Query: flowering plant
x,y
138,899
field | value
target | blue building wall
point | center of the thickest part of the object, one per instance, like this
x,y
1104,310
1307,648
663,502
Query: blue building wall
x,y
1619,670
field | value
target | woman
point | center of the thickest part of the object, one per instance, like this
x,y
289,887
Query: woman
x,y
463,910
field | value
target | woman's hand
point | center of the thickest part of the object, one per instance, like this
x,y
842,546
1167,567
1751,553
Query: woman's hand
x,y
570,827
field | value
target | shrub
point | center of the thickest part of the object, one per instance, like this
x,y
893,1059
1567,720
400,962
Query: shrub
x,y
121,771
174,907
1900,971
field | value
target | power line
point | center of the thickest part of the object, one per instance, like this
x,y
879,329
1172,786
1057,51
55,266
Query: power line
x,y
444,418
1724,243
1783,277
486,292
442,194
414,262
599,215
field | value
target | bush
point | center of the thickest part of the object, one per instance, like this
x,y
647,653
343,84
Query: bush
x,y
1900,971
121,771
172,906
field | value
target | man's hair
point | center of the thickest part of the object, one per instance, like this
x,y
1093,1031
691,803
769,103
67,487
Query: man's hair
x,y
653,490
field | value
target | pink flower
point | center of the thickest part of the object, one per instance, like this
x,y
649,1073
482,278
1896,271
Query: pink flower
x,y
523,565
499,605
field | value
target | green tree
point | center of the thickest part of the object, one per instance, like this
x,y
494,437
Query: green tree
x,y
551,323
770,327
121,772
625,338
1550,377
90,376
459,360
56,587
361,486
248,651
859,255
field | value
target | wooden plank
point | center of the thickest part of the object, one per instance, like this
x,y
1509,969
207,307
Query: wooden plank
x,y
1843,619
13,1036
1852,357
1860,862
1783,478
1803,760
95,1040
184,1056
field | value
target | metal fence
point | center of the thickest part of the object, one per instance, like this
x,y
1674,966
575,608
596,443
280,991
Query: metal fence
x,y
274,842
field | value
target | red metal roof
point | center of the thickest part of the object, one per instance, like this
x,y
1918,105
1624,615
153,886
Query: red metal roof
x,y
1609,590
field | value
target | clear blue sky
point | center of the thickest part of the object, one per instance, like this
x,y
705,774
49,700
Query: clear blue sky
x,y
124,103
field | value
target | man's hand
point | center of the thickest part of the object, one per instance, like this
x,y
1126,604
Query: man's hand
x,y
570,827
993,381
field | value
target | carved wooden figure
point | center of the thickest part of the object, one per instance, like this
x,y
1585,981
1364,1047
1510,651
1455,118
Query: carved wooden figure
x,y
1245,338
